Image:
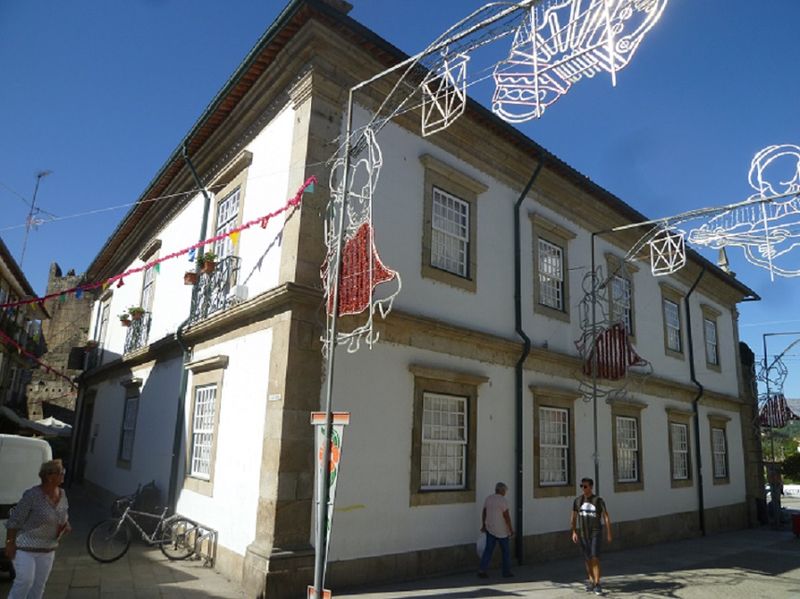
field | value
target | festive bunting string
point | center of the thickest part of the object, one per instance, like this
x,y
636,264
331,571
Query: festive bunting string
x,y
191,250
8,340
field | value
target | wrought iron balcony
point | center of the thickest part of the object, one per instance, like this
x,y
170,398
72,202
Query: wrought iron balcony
x,y
212,292
136,337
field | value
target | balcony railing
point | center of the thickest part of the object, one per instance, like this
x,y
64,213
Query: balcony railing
x,y
136,337
212,292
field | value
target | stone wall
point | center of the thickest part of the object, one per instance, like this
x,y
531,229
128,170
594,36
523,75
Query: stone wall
x,y
49,394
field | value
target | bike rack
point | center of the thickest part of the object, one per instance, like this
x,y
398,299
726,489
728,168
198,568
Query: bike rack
x,y
205,545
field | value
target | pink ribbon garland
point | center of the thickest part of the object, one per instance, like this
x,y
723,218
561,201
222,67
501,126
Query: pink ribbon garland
x,y
262,221
6,339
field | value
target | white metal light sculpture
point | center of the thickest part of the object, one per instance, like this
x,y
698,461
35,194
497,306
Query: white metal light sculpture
x,y
767,226
604,346
444,94
562,41
360,270
667,251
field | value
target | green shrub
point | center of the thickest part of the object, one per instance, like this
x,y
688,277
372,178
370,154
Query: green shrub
x,y
791,467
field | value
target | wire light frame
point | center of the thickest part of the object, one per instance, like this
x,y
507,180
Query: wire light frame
x,y
561,42
605,348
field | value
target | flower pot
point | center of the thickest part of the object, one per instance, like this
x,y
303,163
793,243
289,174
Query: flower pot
x,y
126,322
189,277
136,315
208,267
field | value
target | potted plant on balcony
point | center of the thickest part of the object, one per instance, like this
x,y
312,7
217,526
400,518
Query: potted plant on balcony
x,y
190,277
125,319
136,312
208,262
91,344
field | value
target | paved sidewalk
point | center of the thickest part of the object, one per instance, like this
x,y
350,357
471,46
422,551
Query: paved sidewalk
x,y
143,573
744,564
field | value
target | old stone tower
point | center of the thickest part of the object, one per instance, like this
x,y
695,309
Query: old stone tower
x,y
49,394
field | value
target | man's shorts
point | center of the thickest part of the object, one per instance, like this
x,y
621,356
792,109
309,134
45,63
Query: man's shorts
x,y
591,545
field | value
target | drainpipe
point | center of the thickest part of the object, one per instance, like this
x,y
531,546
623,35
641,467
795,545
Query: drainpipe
x,y
695,407
526,350
177,439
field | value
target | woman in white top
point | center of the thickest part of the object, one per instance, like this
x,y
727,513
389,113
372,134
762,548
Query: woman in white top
x,y
35,526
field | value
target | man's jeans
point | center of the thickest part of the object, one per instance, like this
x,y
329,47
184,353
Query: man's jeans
x,y
489,550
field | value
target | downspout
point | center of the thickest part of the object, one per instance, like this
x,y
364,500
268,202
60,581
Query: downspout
x,y
177,439
526,350
695,407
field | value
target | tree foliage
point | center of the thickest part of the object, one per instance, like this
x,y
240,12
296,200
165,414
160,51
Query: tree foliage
x,y
791,467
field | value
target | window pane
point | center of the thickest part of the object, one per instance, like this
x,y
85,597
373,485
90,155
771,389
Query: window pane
x,y
551,275
553,446
720,451
672,322
680,451
627,449
203,431
444,442
621,302
227,218
711,341
450,233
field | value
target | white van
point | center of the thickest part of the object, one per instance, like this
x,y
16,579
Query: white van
x,y
20,460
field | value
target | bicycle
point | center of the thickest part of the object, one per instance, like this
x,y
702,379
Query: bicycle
x,y
110,539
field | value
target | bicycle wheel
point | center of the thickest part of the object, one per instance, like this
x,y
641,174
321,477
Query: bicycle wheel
x,y
108,540
178,539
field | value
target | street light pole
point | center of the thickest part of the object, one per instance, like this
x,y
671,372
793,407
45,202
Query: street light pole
x,y
39,176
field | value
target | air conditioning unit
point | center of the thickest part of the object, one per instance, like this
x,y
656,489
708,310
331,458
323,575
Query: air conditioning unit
x,y
238,293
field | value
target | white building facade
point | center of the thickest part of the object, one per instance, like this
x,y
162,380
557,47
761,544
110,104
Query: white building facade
x,y
210,392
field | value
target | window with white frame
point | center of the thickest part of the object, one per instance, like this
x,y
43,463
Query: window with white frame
x,y
720,449
712,352
553,446
148,286
672,325
444,442
450,233
551,275
227,220
680,450
102,324
129,415
621,302
203,420
627,449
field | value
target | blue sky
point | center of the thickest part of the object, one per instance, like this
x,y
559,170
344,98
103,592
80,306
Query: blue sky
x,y
101,92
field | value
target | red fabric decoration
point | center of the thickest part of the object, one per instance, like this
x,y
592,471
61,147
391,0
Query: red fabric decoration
x,y
776,413
355,292
614,354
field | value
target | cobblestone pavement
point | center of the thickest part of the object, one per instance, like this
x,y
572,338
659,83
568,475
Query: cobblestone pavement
x,y
760,562
143,573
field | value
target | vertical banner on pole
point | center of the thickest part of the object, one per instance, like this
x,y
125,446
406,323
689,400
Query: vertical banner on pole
x,y
339,420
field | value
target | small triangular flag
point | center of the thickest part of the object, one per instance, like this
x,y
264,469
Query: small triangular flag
x,y
78,293
234,235
158,267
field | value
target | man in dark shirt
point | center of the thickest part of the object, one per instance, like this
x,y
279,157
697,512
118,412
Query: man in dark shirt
x,y
589,514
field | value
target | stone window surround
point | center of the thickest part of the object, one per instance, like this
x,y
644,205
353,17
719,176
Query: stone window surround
x,y
676,296
465,188
719,421
553,397
448,382
712,314
616,266
631,409
133,387
550,231
675,416
208,371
